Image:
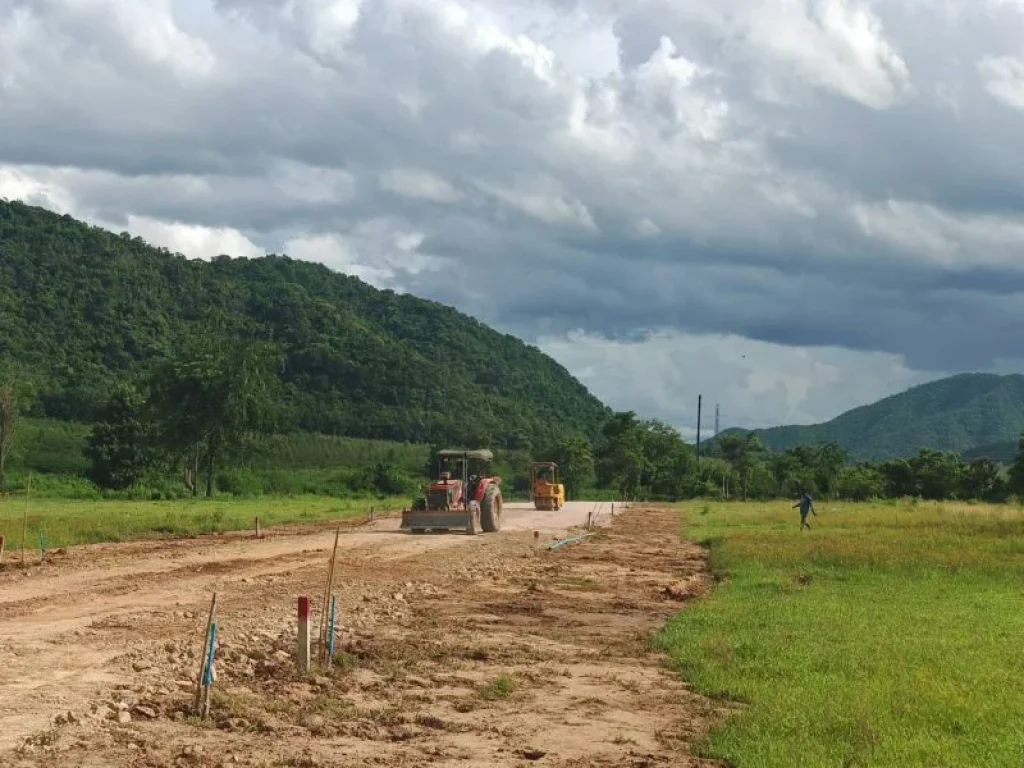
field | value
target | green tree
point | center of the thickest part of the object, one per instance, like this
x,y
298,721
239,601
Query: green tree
x,y
711,478
121,447
744,453
8,424
795,471
383,478
575,459
899,477
981,480
860,483
1017,469
668,461
620,461
937,474
214,391
829,463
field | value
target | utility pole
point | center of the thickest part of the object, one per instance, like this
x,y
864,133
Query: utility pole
x,y
716,418
699,403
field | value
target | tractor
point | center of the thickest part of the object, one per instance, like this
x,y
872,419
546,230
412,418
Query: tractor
x,y
548,493
464,495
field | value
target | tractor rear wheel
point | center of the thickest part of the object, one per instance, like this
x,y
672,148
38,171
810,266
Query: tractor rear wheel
x,y
490,510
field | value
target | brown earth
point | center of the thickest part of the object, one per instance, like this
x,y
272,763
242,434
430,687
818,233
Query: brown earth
x,y
451,650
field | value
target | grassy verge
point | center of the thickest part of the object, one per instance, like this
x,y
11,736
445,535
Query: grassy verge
x,y
69,522
889,635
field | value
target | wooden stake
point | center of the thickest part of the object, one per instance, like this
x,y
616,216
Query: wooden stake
x,y
208,672
330,636
24,522
322,650
302,654
2,543
203,655
258,535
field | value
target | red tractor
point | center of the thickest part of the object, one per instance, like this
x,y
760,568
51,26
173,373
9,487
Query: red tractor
x,y
465,495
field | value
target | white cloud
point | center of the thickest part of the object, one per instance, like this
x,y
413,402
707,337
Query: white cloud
x,y
413,182
1004,79
192,240
837,45
951,241
755,384
377,251
542,199
338,254
18,184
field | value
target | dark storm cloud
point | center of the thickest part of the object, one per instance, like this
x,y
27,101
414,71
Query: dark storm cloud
x,y
744,168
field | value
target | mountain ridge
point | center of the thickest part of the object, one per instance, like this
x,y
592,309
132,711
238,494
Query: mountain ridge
x,y
958,413
83,308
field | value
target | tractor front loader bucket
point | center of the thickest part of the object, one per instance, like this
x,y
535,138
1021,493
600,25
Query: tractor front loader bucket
x,y
421,521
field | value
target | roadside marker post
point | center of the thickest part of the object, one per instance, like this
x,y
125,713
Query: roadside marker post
x,y
330,637
3,543
302,655
325,605
42,545
259,535
209,675
198,702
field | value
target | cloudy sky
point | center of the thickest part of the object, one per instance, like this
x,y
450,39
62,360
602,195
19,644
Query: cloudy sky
x,y
792,206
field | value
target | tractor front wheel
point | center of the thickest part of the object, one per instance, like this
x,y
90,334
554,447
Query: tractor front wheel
x,y
473,524
490,510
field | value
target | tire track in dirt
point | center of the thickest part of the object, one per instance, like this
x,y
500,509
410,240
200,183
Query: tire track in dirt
x,y
64,621
453,651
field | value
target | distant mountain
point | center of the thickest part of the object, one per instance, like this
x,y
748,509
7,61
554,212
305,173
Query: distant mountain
x,y
966,413
82,308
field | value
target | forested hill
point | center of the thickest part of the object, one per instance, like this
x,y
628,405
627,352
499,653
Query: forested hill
x,y
81,308
965,413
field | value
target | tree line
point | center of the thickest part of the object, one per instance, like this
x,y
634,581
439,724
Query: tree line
x,y
218,394
649,460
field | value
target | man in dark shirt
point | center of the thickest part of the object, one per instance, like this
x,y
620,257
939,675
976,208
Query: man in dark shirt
x,y
806,505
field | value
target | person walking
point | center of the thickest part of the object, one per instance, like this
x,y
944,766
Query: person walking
x,y
806,505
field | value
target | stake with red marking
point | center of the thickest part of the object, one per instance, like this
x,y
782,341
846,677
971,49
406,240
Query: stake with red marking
x,y
302,655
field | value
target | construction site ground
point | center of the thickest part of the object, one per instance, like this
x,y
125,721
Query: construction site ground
x,y
452,650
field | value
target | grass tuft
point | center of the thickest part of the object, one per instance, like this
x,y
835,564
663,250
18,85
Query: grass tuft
x,y
502,687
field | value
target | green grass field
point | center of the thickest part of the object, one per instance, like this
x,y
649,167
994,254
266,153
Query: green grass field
x,y
70,522
889,635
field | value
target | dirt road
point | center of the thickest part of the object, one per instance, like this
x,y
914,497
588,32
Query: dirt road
x,y
452,649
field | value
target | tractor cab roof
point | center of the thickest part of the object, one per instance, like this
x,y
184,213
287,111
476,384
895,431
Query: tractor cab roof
x,y
541,464
451,453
